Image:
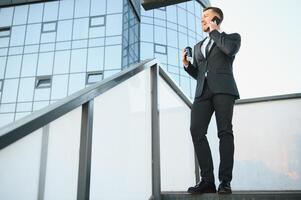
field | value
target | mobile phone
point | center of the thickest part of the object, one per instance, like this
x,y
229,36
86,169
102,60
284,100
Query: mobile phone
x,y
216,20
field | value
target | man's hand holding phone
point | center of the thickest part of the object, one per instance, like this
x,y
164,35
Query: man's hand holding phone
x,y
214,24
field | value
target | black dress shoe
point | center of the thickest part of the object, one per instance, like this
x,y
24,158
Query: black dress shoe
x,y
202,187
224,188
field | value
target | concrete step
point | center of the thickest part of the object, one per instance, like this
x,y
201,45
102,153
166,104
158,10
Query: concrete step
x,y
236,195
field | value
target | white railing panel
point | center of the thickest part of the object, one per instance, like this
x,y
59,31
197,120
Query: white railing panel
x,y
63,156
20,168
121,147
267,137
177,153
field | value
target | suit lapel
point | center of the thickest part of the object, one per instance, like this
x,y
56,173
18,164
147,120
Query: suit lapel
x,y
212,47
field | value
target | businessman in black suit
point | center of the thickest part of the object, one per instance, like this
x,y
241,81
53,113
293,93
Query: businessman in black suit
x,y
216,91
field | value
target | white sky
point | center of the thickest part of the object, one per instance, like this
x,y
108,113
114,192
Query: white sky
x,y
269,61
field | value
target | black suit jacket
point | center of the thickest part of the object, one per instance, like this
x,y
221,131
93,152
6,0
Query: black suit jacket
x,y
218,64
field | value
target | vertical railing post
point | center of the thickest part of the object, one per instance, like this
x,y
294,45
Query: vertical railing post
x,y
156,174
83,185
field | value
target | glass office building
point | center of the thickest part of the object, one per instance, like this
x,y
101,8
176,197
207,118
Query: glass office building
x,y
51,49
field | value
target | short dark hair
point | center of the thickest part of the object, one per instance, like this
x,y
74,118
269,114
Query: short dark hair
x,y
217,10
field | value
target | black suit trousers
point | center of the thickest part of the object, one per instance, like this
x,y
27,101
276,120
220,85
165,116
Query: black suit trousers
x,y
201,113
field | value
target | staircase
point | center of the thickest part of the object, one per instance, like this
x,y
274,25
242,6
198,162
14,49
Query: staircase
x,y
127,138
236,195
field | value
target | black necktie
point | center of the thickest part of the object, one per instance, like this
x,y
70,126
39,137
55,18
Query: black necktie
x,y
207,47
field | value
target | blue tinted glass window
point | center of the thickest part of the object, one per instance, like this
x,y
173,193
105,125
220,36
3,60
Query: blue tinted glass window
x,y
114,6
66,9
48,37
59,86
97,21
98,7
78,60
2,66
10,88
80,29
35,13
15,50
76,82
95,58
31,49
61,62
64,31
173,56
160,35
17,35
13,66
47,47
26,89
182,41
6,118
6,16
42,94
33,34
45,63
172,38
113,57
160,48
49,27
146,51
29,65
182,17
7,107
4,41
21,115
97,32
39,105
23,107
94,77
114,24
63,45
51,11
20,15
82,8
147,33
191,22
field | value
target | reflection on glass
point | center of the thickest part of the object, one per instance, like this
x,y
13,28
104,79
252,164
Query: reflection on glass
x,y
82,8
17,35
113,57
45,63
10,88
20,15
64,30
76,82
97,21
13,66
114,24
78,60
6,16
98,7
29,65
35,13
80,29
59,86
95,58
61,62
49,27
33,34
50,11
66,9
26,89
160,35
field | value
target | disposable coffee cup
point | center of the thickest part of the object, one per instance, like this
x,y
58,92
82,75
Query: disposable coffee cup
x,y
188,53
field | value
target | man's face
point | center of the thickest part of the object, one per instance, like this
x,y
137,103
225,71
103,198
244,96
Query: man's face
x,y
207,16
